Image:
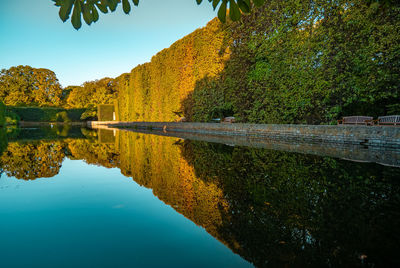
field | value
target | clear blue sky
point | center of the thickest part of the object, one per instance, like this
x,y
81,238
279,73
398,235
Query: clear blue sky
x,y
31,33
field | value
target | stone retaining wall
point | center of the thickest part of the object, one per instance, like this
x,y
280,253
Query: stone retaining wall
x,y
380,136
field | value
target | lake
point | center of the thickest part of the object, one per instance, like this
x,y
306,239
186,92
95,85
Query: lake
x,y
74,197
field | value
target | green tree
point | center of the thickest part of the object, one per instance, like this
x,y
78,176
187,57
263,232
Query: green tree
x,y
25,85
91,93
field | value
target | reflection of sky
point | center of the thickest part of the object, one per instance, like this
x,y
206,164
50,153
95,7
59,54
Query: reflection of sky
x,y
93,216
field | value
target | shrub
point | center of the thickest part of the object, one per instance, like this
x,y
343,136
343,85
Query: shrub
x,y
47,114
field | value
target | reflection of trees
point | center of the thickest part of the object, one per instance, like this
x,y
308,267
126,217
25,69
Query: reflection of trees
x,y
301,209
29,161
43,159
94,153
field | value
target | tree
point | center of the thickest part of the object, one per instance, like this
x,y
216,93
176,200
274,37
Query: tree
x,y
91,93
25,85
89,8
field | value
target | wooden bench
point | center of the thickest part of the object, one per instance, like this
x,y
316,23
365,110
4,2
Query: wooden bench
x,y
356,120
388,120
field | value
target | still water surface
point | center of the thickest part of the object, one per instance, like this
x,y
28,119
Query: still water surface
x,y
72,197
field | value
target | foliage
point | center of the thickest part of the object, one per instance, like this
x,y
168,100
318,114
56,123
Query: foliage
x,y
91,94
89,9
154,91
47,114
308,62
2,114
12,118
90,114
24,85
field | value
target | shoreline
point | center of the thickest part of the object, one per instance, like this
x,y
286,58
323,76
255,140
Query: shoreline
x,y
374,136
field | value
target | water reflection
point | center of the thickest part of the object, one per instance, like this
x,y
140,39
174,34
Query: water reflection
x,y
270,207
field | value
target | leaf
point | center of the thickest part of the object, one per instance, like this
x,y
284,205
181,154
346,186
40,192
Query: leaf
x,y
76,15
126,6
58,3
87,15
258,3
65,10
215,3
222,11
102,8
112,4
199,1
135,2
244,6
95,14
234,12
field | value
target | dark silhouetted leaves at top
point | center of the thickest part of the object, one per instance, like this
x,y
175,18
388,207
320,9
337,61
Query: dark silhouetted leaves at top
x,y
90,13
76,15
87,15
65,9
244,5
234,12
126,6
95,14
222,11
102,8
215,3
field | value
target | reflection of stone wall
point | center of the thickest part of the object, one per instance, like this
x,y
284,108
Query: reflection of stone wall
x,y
380,136
352,152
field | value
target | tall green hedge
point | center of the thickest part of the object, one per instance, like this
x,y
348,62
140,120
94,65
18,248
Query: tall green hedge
x,y
47,114
286,62
154,91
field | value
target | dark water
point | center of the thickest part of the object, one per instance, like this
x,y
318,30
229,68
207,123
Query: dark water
x,y
71,197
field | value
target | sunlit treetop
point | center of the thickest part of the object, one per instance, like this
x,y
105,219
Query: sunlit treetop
x,y
89,9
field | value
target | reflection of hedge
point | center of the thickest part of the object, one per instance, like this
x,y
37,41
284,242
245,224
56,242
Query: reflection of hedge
x,y
36,114
105,112
153,91
290,209
2,114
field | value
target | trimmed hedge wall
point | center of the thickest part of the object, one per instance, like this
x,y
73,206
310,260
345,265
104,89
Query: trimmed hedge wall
x,y
105,112
47,114
154,91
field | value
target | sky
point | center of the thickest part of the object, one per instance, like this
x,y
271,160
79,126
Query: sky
x,y
31,33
